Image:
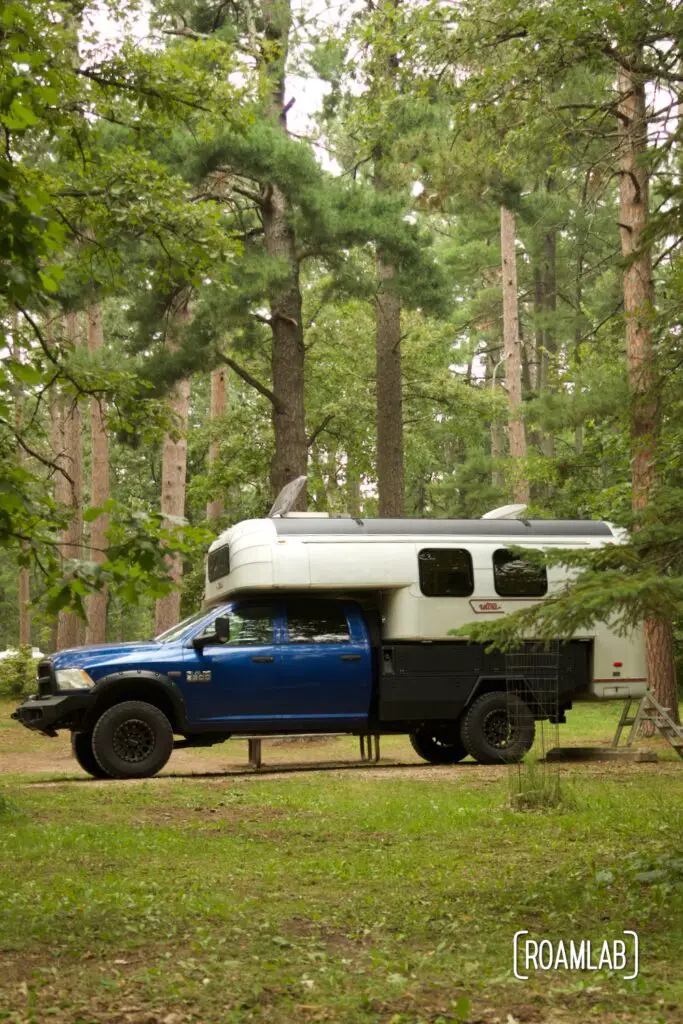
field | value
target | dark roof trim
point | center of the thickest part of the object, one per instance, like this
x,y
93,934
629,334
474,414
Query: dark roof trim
x,y
441,527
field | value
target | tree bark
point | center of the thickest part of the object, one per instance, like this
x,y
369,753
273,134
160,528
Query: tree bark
x,y
173,478
70,627
24,590
216,507
549,348
512,349
390,472
389,388
639,300
290,459
96,631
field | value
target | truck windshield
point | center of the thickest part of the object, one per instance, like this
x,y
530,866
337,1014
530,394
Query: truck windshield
x,y
169,635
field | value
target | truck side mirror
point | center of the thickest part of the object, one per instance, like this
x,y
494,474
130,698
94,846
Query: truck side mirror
x,y
222,629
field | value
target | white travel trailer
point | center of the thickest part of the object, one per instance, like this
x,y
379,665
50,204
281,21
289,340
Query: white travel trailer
x,y
425,577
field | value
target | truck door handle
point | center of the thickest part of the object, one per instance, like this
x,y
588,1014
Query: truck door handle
x,y
350,657
263,657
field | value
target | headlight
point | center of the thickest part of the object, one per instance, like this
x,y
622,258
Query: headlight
x,y
73,679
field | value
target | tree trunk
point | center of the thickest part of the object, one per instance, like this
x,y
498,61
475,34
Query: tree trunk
x,y
290,459
548,352
639,300
389,394
216,507
390,473
173,478
99,486
24,594
353,496
512,349
70,627
497,429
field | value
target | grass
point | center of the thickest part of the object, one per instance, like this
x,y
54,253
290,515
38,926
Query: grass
x,y
339,897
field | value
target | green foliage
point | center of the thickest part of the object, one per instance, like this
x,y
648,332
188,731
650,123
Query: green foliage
x,y
18,674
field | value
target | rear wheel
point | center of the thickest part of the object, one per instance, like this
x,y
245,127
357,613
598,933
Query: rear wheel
x,y
81,748
498,728
132,740
438,744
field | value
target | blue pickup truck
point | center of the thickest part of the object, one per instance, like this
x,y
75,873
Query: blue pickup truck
x,y
275,664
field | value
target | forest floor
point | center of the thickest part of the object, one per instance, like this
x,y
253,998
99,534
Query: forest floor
x,y
353,894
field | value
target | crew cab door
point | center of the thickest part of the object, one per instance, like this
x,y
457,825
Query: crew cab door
x,y
325,677
235,681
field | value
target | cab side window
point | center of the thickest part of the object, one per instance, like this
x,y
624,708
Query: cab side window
x,y
249,625
315,622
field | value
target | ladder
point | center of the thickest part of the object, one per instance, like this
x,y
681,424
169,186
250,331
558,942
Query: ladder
x,y
649,710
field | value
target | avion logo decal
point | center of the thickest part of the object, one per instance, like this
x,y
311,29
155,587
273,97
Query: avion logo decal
x,y
486,607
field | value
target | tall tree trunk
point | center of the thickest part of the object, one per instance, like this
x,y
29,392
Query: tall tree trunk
x,y
289,420
70,627
173,477
353,496
497,429
216,507
639,299
390,473
512,349
24,594
389,393
549,340
96,631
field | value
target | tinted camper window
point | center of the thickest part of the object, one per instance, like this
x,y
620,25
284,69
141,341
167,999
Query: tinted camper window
x,y
515,577
446,572
219,563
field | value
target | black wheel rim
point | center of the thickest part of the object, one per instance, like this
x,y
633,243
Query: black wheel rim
x,y
498,730
133,740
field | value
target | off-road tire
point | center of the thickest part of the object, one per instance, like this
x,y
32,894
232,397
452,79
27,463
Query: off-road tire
x,y
438,745
132,740
81,748
485,723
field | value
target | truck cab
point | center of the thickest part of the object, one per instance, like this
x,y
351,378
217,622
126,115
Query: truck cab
x,y
263,664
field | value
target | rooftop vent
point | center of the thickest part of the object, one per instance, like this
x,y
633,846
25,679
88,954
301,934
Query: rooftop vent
x,y
506,512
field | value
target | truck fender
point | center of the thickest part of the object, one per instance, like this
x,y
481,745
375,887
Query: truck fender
x,y
486,684
139,684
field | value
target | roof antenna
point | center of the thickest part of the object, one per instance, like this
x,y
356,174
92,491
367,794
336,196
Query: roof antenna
x,y
287,498
506,512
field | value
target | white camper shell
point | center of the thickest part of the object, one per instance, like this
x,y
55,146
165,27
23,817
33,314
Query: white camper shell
x,y
428,576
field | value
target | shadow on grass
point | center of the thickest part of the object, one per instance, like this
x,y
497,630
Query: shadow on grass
x,y
263,772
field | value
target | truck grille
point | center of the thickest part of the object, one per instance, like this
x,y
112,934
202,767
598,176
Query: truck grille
x,y
46,679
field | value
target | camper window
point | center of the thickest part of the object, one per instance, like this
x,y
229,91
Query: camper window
x,y
313,623
219,563
446,572
516,577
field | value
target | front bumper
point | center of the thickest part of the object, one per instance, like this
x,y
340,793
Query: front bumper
x,y
47,714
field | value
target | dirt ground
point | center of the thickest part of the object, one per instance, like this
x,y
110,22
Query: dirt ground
x,y
42,756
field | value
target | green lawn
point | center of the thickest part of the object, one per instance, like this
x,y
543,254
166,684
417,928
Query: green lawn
x,y
336,896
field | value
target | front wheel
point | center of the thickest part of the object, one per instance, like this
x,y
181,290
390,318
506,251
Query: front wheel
x,y
438,744
81,748
498,728
132,740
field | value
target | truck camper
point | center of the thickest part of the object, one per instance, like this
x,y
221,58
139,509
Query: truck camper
x,y
317,623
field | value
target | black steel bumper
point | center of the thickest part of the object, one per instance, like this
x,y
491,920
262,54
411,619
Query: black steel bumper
x,y
47,714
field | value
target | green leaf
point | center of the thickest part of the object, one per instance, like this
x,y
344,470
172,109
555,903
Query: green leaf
x,y
25,372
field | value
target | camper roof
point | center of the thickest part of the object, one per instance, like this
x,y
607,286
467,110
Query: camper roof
x,y
346,526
